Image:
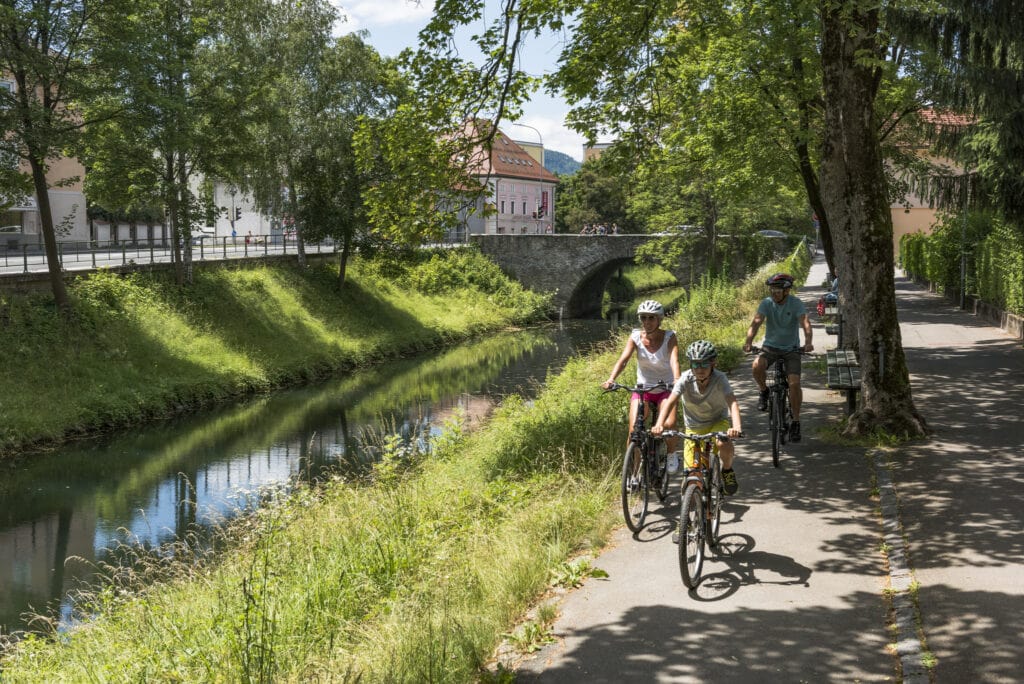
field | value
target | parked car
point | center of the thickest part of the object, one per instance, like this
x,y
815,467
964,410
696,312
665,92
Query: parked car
x,y
771,233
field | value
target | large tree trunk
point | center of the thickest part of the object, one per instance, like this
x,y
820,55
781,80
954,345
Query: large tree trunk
x,y
60,293
854,193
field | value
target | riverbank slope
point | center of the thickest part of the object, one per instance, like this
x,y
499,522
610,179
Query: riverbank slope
x,y
139,348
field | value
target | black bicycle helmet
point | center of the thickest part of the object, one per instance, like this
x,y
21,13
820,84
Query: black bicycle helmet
x,y
701,350
783,280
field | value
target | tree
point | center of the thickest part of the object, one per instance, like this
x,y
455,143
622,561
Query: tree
x,y
43,49
854,187
315,91
597,193
180,96
977,71
743,86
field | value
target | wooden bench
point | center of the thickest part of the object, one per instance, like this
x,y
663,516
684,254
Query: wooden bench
x,y
842,372
837,328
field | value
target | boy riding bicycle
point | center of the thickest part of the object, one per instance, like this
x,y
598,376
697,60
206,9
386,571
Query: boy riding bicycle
x,y
709,405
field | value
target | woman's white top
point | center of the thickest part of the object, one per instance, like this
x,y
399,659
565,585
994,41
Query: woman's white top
x,y
653,367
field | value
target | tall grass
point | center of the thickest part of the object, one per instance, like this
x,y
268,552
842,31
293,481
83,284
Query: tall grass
x,y
411,576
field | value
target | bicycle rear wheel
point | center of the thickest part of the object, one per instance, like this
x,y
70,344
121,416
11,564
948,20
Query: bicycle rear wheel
x,y
717,496
691,536
635,488
775,425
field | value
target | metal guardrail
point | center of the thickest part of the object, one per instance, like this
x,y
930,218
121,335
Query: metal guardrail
x,y
31,258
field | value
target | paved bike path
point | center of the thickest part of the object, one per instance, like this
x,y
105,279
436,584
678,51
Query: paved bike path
x,y
961,492
796,593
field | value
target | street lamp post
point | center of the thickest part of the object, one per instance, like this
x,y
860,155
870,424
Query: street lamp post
x,y
539,138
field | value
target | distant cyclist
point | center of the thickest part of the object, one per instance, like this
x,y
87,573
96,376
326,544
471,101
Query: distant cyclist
x,y
657,360
709,405
784,315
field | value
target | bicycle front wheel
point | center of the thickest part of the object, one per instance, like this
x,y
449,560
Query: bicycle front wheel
x,y
716,497
691,536
775,421
635,488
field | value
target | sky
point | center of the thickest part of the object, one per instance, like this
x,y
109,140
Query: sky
x,y
393,26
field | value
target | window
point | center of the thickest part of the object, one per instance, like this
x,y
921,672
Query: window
x,y
502,207
524,206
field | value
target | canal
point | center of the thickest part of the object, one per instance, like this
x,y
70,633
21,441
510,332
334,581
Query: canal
x,y
61,513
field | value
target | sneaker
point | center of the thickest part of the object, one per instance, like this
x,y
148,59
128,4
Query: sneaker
x,y
730,485
762,401
673,462
794,431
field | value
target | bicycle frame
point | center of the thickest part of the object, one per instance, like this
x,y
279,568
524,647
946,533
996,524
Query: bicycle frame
x,y
779,409
641,470
700,511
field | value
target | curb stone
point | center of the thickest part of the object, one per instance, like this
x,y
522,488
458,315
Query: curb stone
x,y
901,578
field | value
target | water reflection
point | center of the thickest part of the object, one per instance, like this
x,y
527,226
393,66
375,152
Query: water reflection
x,y
158,482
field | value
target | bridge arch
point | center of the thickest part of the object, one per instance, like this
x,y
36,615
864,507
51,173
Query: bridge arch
x,y
576,268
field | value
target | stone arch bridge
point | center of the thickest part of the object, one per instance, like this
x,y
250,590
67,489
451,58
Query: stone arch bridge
x,y
576,267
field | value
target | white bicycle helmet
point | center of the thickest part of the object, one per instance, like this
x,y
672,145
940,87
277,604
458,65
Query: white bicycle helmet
x,y
651,307
701,350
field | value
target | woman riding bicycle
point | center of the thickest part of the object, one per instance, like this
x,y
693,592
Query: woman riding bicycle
x,y
785,315
657,360
709,405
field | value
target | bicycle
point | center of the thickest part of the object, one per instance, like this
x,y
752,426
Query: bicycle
x,y
700,511
645,463
780,413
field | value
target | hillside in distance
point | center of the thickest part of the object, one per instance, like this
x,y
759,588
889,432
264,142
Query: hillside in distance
x,y
560,163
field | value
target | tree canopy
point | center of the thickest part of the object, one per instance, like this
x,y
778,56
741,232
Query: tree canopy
x,y
734,105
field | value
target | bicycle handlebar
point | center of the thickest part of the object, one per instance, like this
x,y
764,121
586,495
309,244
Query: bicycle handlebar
x,y
706,437
798,350
641,388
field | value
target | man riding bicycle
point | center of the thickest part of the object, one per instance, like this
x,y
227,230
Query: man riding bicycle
x,y
709,405
784,315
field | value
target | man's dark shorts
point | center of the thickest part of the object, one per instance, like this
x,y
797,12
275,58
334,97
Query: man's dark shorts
x,y
792,358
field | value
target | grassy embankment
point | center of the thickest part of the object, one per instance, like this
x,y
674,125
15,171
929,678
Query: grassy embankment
x,y
140,348
413,576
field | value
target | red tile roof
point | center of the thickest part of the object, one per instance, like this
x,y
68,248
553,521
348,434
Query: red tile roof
x,y
942,119
509,160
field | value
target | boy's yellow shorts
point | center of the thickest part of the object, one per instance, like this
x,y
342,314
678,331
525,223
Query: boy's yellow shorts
x,y
720,426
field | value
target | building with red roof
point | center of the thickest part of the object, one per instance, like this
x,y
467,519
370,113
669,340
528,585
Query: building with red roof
x,y
520,192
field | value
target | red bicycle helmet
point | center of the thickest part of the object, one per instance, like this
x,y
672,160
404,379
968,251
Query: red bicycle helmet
x,y
783,280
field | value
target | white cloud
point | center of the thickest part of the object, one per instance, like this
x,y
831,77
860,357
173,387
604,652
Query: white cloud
x,y
379,14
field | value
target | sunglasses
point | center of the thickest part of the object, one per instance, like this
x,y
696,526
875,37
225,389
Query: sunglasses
x,y
701,364
648,317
